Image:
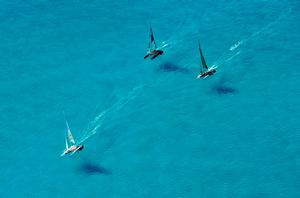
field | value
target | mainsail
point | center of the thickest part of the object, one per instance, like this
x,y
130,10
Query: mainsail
x,y
152,44
202,59
70,139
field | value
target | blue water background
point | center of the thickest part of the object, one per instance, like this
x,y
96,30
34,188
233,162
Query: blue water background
x,y
159,132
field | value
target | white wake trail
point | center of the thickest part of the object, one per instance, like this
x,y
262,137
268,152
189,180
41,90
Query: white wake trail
x,y
257,33
98,121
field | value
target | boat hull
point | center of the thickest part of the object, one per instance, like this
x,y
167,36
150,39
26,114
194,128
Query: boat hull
x,y
211,71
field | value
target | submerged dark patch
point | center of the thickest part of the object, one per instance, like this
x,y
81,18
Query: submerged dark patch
x,y
92,169
170,67
222,89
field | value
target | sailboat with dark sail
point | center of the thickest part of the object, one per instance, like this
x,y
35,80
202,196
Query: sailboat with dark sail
x,y
205,70
153,51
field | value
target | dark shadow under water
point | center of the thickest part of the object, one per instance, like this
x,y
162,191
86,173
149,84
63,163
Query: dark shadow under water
x,y
171,67
89,168
223,89
220,88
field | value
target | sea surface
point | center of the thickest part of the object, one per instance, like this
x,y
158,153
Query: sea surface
x,y
150,128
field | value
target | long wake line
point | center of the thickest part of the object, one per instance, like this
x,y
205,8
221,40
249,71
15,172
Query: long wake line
x,y
253,35
98,121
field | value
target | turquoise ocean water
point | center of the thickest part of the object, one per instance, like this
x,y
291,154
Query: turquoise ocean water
x,y
152,129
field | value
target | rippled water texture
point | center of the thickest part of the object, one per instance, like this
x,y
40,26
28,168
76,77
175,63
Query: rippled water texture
x,y
150,128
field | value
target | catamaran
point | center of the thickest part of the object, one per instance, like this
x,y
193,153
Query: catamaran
x,y
71,146
205,70
153,51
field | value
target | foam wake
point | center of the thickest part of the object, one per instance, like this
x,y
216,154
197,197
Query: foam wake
x,y
98,121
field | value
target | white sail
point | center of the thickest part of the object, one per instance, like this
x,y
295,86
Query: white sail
x,y
70,138
69,141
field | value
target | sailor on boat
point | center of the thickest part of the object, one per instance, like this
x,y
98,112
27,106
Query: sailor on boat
x,y
153,51
205,70
71,146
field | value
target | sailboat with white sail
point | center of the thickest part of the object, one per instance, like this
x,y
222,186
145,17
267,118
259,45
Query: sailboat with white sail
x,y
71,146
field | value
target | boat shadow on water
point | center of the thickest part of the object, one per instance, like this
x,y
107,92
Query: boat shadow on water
x,y
171,67
221,87
89,168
